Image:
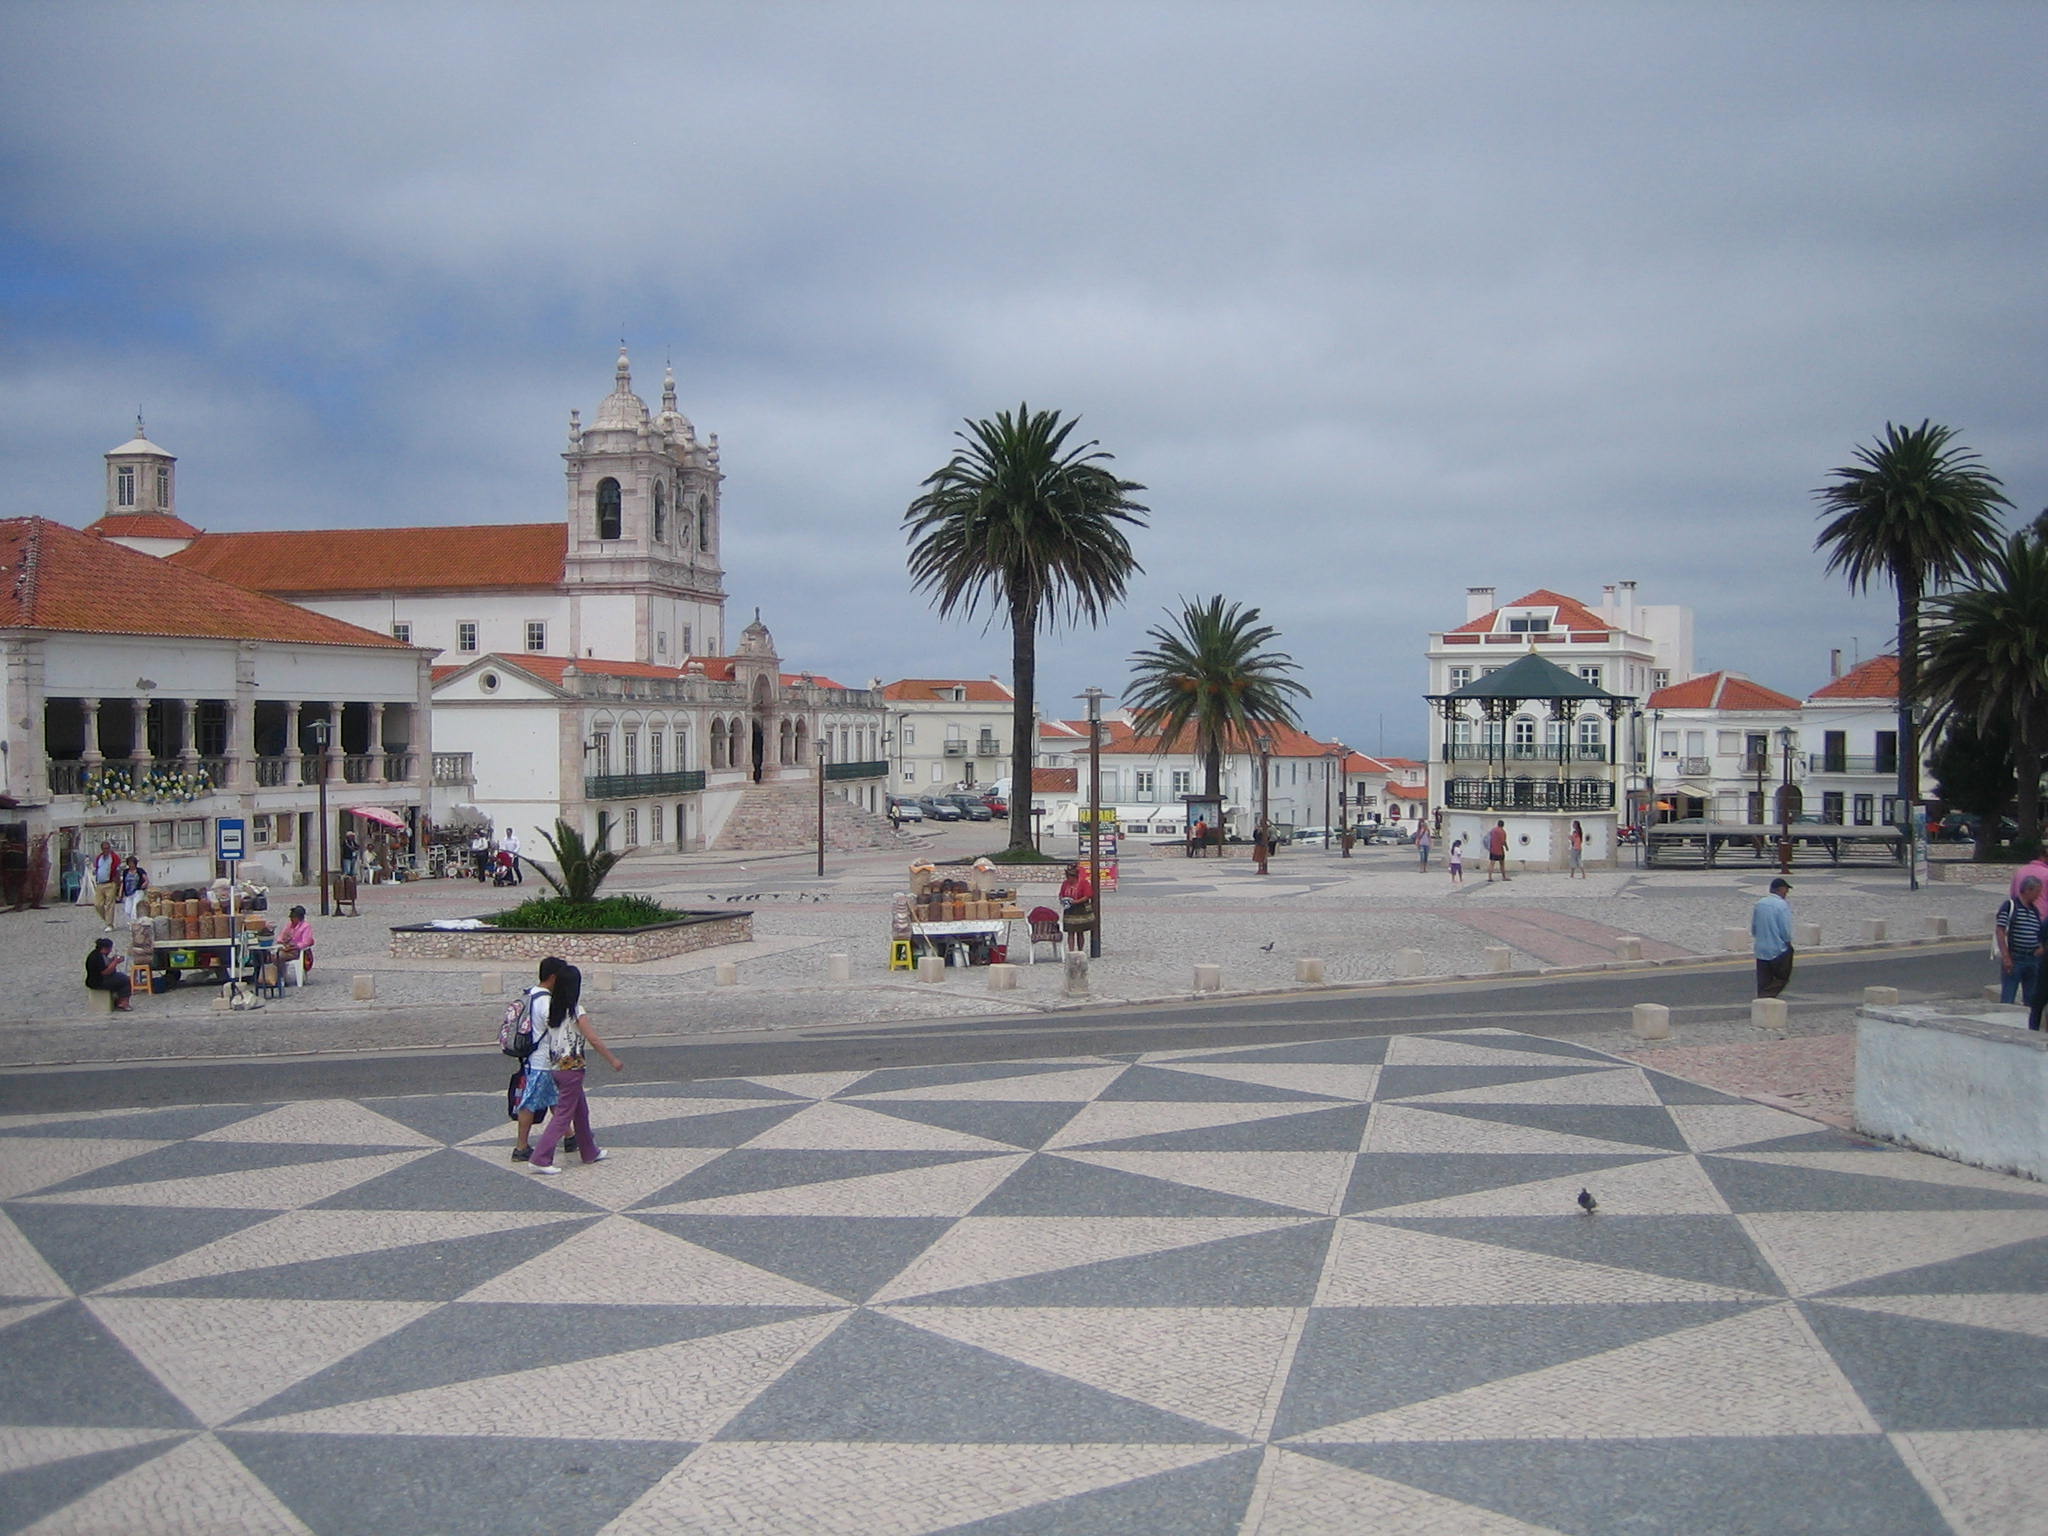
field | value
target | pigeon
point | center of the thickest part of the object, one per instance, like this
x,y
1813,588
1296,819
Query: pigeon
x,y
1587,1203
1267,948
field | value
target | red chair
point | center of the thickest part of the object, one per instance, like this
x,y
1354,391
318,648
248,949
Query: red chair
x,y
1045,929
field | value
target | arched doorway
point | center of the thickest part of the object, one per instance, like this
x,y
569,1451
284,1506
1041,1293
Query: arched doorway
x,y
760,764
1791,803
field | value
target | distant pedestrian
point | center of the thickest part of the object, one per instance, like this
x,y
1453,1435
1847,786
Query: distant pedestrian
x,y
509,844
558,1053
1578,866
103,973
2035,869
351,855
1077,907
1457,861
105,870
134,881
1422,841
1770,932
1497,852
480,855
1262,847
2018,931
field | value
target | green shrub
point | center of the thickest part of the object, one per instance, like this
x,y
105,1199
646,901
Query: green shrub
x,y
607,912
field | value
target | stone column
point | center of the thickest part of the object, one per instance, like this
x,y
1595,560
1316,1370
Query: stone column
x,y
376,741
89,709
138,715
292,755
188,732
241,724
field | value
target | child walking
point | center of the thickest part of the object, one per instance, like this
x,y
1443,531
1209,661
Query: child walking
x,y
558,1055
1457,861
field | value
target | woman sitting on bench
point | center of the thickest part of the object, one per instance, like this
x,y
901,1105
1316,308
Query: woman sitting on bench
x,y
103,974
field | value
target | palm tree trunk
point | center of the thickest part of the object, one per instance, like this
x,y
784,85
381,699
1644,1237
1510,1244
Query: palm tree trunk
x,y
1212,777
1023,718
2027,797
1908,584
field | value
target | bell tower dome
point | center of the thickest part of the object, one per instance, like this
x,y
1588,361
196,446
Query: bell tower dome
x,y
141,510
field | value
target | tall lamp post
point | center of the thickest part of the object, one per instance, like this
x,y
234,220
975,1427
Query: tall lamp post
x,y
821,807
1094,696
1785,803
1265,784
1329,762
320,729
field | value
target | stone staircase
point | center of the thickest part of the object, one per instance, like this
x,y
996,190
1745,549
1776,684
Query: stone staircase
x,y
781,816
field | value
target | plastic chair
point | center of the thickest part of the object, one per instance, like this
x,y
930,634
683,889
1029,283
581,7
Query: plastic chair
x,y
1045,929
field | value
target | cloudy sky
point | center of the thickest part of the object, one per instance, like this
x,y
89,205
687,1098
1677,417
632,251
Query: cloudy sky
x,y
1379,301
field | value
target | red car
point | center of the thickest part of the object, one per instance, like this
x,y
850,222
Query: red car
x,y
997,804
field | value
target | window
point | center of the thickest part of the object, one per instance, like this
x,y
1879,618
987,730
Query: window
x,y
1866,807
632,823
1591,676
1831,807
686,639
465,635
402,632
610,516
1589,735
1667,743
1458,677
124,486
192,834
601,754
909,733
1183,782
162,836
654,763
632,751
654,822
1727,743
1695,743
1142,780
1834,752
703,523
259,831
163,487
1525,733
536,635
1887,752
938,772
1890,810
1528,625
1660,677
660,519
661,642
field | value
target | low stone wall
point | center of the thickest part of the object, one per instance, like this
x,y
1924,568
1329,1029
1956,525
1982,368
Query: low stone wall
x,y
1969,872
700,930
1963,1084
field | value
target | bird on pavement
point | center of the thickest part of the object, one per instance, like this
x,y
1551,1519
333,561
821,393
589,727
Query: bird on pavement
x,y
1587,1203
1267,948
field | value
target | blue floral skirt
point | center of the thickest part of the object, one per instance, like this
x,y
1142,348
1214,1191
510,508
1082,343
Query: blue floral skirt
x,y
540,1094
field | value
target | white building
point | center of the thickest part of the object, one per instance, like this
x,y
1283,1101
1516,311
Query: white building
x,y
1850,731
1727,749
947,733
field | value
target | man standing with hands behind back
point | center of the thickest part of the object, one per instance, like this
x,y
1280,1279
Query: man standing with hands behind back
x,y
1770,932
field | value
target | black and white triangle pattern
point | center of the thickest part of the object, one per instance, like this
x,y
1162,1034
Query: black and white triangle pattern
x,y
1328,1287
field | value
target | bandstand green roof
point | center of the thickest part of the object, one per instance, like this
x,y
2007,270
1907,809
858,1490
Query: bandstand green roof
x,y
1531,677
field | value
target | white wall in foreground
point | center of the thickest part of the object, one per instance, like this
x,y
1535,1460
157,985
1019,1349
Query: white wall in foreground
x,y
1969,1086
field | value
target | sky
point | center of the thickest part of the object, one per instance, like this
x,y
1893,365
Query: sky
x,y
1378,301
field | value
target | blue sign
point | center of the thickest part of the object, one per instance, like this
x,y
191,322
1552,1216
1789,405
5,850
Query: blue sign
x,y
230,836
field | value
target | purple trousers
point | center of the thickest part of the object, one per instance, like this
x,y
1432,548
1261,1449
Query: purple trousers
x,y
572,1112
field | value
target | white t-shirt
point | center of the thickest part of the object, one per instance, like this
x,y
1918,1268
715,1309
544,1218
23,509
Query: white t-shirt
x,y
551,1045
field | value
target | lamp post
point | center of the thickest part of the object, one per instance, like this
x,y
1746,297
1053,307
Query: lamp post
x,y
1329,762
1094,696
1265,785
821,807
1785,803
320,729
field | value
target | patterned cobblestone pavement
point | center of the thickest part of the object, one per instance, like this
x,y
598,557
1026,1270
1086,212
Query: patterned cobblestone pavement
x,y
1333,1287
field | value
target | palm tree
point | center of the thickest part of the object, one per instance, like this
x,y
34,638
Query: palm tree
x,y
1031,526
1985,661
1920,513
1208,673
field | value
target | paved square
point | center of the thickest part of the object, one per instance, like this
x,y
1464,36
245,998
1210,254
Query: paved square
x,y
1332,1287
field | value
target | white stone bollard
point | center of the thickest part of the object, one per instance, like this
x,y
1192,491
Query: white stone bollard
x,y
1499,957
1307,969
1002,977
727,974
1208,978
1873,930
1077,974
1650,1021
839,967
1628,948
491,984
1736,939
1409,962
1768,1013
1881,997
363,989
931,968
1937,927
1805,935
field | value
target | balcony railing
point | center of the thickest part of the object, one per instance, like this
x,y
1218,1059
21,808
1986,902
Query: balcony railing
x,y
988,746
1842,762
453,768
1529,795
633,786
956,749
1480,752
835,772
153,781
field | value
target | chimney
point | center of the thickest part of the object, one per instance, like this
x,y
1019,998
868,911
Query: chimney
x,y
1625,609
1478,603
1834,663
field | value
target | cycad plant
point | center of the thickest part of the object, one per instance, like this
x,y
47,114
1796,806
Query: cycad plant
x,y
583,866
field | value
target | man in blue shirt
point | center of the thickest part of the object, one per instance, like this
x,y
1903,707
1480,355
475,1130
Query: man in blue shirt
x,y
1770,932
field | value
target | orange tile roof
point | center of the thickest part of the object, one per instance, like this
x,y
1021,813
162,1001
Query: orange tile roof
x,y
983,690
723,669
1287,742
331,560
1877,678
550,669
1719,690
1408,791
1055,781
1061,730
53,576
1572,615
141,525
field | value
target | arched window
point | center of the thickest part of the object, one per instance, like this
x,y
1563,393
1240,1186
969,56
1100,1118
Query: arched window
x,y
703,524
609,517
782,743
660,514
802,753
717,743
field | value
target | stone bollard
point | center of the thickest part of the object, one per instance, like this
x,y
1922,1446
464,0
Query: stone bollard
x,y
363,989
1002,977
1409,962
1077,975
1650,1021
1499,957
1768,1013
1628,948
931,968
1805,935
1991,991
1736,939
491,984
1881,997
1873,930
726,975
604,981
1937,927
1208,978
1306,969
839,967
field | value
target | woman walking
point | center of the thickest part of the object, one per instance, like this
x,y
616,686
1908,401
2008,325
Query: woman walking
x,y
1578,852
1422,843
558,1057
1457,861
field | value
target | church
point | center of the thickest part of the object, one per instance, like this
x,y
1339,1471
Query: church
x,y
582,668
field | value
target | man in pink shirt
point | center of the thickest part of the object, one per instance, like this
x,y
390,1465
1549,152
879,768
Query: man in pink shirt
x,y
2037,870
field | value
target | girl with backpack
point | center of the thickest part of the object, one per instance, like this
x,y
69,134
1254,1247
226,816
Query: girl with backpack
x,y
560,1037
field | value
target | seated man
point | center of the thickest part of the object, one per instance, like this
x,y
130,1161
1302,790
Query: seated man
x,y
103,973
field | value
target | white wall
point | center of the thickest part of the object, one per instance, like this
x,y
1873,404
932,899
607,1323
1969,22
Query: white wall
x,y
1972,1086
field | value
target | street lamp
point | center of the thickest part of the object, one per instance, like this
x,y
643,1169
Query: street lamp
x,y
821,807
1785,803
320,729
1329,761
1094,696
1265,786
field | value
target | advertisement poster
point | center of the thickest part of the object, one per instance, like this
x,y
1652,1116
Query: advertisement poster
x,y
1109,836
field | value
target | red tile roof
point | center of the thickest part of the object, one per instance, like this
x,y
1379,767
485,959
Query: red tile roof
x,y
723,669
1572,615
141,525
979,690
1719,690
1055,781
1060,730
332,560
550,669
1287,742
1877,678
53,576
1408,791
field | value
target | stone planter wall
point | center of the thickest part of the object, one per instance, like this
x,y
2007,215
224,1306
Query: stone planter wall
x,y
630,946
1971,1085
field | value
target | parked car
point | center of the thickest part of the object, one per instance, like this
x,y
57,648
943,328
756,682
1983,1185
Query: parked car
x,y
1386,832
973,807
998,804
937,809
1311,834
905,810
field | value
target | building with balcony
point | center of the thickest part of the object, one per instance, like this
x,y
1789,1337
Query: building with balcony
x,y
947,733
145,703
1850,736
1725,749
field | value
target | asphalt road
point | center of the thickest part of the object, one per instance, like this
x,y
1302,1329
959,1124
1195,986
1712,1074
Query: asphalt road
x,y
1713,992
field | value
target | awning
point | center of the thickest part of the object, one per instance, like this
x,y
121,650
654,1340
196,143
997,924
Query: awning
x,y
1693,792
378,814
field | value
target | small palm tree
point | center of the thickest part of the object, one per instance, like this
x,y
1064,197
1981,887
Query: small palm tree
x,y
1208,674
1920,513
1034,528
583,866
1985,660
